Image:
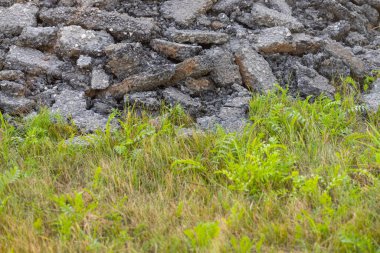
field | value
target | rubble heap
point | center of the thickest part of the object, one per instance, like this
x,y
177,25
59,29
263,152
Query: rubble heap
x,y
83,58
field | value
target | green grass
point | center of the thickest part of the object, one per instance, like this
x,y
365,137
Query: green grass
x,y
302,177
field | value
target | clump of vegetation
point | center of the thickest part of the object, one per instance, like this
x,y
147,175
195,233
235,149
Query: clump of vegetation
x,y
301,177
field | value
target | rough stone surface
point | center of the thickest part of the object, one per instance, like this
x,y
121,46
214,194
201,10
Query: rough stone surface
x,y
12,88
173,96
255,70
264,16
74,40
143,82
15,105
126,59
33,61
232,115
356,39
11,75
198,85
280,40
176,51
341,12
281,6
147,100
337,50
121,26
72,105
197,66
106,4
16,17
309,82
38,37
197,36
99,79
185,11
84,62
372,58
227,6
2,59
225,72
58,15
338,30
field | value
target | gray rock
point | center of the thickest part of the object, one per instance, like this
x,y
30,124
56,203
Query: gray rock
x,y
340,12
99,80
145,81
77,79
225,72
72,105
84,62
263,16
2,59
227,6
45,98
121,26
309,82
241,91
374,3
255,70
281,6
184,12
33,61
12,88
7,3
232,116
174,96
126,59
280,40
15,105
11,75
239,102
197,36
333,67
104,106
102,4
356,39
208,122
196,86
371,14
56,16
356,65
38,37
372,99
372,58
197,66
232,119
176,51
338,30
271,40
74,40
16,17
146,100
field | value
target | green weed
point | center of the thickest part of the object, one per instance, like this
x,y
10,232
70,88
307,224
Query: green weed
x,y
303,176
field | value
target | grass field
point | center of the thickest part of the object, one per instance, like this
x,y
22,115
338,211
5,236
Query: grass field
x,y
303,177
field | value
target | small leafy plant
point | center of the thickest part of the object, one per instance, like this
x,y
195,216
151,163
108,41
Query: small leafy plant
x,y
201,236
